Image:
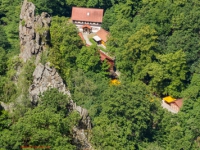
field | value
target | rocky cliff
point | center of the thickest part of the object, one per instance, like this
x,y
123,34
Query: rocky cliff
x,y
45,77
34,36
33,31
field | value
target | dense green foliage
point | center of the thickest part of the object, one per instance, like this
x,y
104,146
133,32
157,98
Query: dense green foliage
x,y
156,45
49,124
66,45
88,59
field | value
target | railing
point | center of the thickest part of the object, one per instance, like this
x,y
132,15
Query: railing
x,y
98,25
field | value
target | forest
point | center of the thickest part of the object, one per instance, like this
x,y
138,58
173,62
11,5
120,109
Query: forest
x,y
156,44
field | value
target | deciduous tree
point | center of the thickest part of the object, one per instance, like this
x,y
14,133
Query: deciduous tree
x,y
66,45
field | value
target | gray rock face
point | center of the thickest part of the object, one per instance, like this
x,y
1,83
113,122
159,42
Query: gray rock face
x,y
34,36
46,77
80,139
81,133
8,107
33,31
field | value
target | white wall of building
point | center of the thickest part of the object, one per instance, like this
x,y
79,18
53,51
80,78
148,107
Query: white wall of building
x,y
94,28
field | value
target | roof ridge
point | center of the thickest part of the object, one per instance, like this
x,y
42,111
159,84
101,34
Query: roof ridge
x,y
87,14
88,8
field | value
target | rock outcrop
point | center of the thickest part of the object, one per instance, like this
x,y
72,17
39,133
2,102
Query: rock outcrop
x,y
81,133
46,77
34,36
33,31
7,107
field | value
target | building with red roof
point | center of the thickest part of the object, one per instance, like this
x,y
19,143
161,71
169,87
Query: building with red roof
x,y
173,106
103,35
177,104
109,59
91,17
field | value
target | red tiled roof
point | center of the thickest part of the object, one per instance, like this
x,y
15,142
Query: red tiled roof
x,y
179,102
103,34
86,26
87,14
110,61
105,56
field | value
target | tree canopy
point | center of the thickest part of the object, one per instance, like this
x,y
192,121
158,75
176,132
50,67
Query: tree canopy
x,y
156,48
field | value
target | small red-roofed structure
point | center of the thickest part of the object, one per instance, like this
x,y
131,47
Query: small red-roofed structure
x,y
103,34
110,60
87,28
177,104
173,105
81,36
